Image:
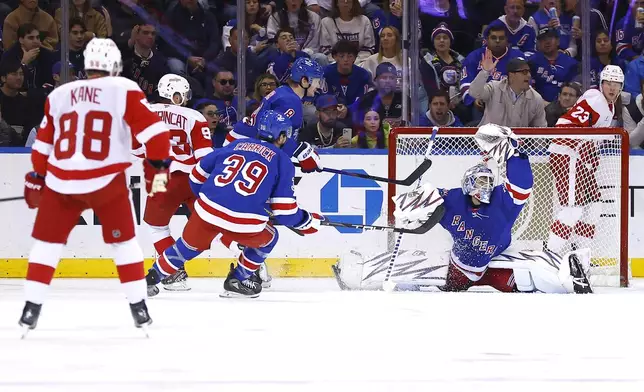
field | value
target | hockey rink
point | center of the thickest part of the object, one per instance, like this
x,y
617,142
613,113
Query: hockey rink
x,y
307,335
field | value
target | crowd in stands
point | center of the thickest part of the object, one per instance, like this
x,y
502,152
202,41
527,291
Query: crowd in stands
x,y
511,62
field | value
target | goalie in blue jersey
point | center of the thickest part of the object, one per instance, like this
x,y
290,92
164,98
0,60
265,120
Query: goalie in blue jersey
x,y
479,218
233,185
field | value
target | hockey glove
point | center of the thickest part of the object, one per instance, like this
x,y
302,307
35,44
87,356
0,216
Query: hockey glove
x,y
156,175
308,158
34,185
497,142
310,224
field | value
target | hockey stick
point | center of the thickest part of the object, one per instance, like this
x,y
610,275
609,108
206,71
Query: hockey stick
x,y
422,229
392,260
415,175
12,198
272,216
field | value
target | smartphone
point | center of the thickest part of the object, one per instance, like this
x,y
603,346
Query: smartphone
x,y
347,133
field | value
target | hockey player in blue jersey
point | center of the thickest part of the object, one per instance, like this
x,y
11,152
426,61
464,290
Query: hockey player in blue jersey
x,y
233,185
305,80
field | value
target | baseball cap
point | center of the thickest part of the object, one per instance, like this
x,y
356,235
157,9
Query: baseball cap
x,y
547,32
55,69
325,101
385,68
516,64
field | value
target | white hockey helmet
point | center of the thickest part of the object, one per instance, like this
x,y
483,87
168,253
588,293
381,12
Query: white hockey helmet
x,y
102,54
478,182
170,85
611,73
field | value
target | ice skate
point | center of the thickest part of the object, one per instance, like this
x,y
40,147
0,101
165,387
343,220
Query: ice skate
x,y
264,278
152,279
140,315
235,288
176,282
29,318
580,282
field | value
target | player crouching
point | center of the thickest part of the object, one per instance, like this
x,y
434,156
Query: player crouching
x,y
479,217
232,185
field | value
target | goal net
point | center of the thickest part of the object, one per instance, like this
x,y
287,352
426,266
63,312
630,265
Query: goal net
x,y
601,190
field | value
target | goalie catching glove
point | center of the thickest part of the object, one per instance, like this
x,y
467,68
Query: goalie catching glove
x,y
416,207
497,142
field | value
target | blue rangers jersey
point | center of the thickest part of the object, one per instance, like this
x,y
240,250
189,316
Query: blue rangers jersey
x,y
233,183
481,233
381,19
282,100
524,38
550,76
347,88
628,38
540,19
472,66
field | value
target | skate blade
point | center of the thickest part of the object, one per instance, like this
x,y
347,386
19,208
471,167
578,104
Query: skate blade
x,y
25,331
146,330
232,294
176,288
266,285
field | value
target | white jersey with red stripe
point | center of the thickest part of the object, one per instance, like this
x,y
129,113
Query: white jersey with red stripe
x,y
85,137
190,136
484,231
591,110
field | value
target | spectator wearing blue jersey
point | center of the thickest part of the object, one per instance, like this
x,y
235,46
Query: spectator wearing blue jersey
x,y
497,43
256,25
441,68
280,61
563,23
224,97
521,35
305,25
634,76
344,79
550,67
603,55
439,113
628,37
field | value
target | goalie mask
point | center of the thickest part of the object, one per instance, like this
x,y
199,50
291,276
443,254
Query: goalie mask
x,y
478,182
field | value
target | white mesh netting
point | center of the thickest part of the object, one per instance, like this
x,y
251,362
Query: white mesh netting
x,y
592,182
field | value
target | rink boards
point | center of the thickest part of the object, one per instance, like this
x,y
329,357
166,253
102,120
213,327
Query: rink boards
x,y
338,197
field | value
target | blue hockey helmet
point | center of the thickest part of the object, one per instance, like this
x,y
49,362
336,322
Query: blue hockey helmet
x,y
304,67
271,124
478,182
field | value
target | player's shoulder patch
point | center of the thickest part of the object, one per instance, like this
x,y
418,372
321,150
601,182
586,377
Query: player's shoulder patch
x,y
271,94
290,113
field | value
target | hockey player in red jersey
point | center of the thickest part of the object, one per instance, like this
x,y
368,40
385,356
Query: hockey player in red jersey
x,y
79,160
190,140
574,162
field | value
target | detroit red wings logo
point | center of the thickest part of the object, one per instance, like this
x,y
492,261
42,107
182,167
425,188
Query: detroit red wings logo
x,y
290,113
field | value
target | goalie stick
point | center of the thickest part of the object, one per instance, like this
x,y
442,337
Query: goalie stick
x,y
415,175
422,229
385,284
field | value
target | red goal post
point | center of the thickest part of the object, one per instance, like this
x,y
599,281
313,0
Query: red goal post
x,y
454,150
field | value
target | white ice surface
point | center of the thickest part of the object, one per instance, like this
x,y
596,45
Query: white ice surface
x,y
306,335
